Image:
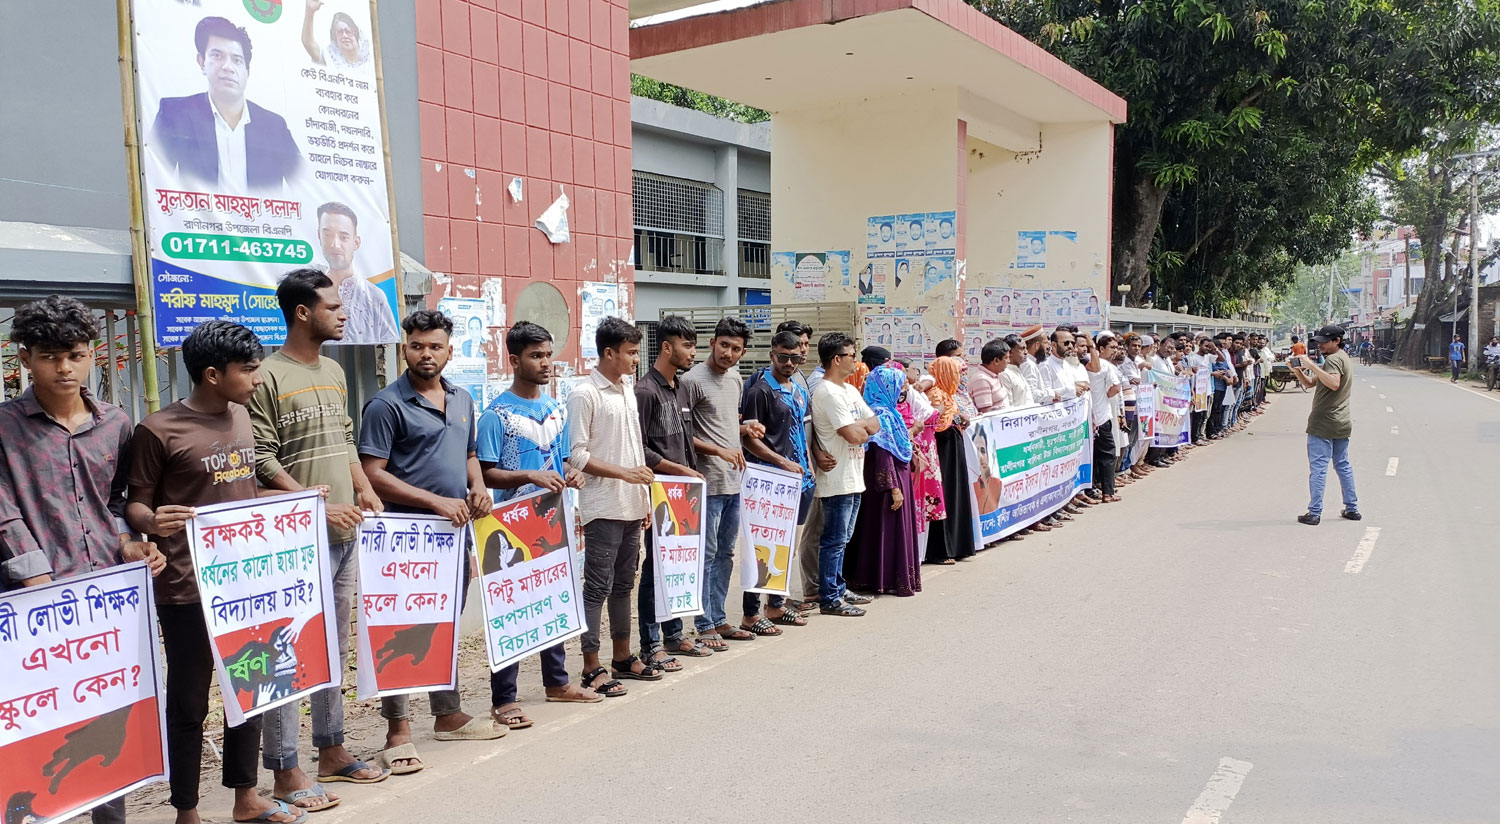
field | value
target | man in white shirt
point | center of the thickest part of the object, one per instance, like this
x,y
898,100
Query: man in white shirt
x,y
1062,373
1491,356
842,423
1104,385
1036,344
1017,390
1197,362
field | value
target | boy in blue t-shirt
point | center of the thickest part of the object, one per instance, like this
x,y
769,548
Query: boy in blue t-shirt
x,y
523,440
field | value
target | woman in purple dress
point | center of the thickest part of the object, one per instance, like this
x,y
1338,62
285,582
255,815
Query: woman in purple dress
x,y
882,556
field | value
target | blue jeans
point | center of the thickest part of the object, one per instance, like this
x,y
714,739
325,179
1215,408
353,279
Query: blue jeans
x,y
721,530
1319,451
282,726
839,512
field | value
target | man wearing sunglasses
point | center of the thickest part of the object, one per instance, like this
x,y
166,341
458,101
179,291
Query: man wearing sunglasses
x,y
775,400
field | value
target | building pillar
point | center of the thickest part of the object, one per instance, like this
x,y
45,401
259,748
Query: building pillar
x,y
727,178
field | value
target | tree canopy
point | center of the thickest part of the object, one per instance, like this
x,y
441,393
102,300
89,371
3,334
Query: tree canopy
x,y
689,99
1253,125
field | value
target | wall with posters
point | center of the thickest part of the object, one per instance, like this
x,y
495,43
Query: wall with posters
x,y
899,170
1047,219
537,92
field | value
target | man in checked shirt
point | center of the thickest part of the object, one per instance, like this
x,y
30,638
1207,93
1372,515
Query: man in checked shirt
x,y
64,463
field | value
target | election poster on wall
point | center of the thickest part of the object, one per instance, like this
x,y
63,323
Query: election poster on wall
x,y
411,582
1030,462
677,505
262,151
1174,406
267,591
531,588
81,708
769,498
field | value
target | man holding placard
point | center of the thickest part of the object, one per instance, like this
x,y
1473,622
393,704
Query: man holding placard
x,y
304,438
197,452
417,433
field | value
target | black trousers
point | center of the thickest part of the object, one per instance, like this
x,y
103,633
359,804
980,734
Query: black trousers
x,y
1104,458
190,672
1197,421
1215,414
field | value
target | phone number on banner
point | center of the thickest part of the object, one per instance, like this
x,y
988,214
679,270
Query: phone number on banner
x,y
189,246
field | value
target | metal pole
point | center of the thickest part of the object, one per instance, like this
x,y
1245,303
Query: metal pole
x,y
140,261
1473,265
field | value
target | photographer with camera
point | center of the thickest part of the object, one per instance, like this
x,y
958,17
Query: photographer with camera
x,y
1330,423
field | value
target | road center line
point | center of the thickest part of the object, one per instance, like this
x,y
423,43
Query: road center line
x,y
1362,552
1390,467
1219,793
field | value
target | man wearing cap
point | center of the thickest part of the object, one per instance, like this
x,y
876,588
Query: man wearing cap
x,y
1330,423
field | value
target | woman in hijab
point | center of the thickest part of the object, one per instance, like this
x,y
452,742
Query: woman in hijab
x,y
954,538
882,555
926,482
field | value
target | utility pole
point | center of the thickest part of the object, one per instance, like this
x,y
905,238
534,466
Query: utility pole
x,y
1406,283
1473,265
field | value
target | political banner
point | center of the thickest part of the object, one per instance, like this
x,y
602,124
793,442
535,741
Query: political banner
x,y
677,505
1174,405
769,499
1203,390
267,593
531,588
411,583
1030,462
1145,421
262,151
81,711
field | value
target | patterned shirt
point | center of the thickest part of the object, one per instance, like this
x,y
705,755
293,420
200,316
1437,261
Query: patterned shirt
x,y
523,435
62,494
603,424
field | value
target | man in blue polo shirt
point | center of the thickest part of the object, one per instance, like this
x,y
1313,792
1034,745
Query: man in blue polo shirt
x,y
523,442
775,400
415,435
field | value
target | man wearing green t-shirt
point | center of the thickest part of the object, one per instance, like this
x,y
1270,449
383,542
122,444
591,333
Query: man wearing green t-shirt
x,y
304,439
1330,423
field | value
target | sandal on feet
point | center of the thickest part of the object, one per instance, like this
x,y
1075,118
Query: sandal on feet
x,y
734,633
576,695
281,808
314,792
694,648
762,627
347,774
665,663
803,607
475,729
608,689
405,753
510,716
844,610
626,669
713,640
790,618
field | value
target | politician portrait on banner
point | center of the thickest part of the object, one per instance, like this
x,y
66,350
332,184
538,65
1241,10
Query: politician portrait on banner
x,y
529,583
677,530
411,583
267,591
262,151
80,709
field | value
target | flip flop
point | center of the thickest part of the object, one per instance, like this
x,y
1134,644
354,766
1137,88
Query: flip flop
x,y
314,791
735,633
790,618
763,628
407,752
576,699
347,775
510,716
281,807
477,729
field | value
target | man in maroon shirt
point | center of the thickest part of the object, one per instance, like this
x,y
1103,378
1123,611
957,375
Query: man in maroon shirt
x,y
64,461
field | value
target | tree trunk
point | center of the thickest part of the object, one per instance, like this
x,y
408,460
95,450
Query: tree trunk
x,y
1132,261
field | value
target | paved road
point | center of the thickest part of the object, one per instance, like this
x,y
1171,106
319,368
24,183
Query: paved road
x,y
1189,651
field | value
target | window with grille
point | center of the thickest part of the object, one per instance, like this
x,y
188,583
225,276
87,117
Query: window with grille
x,y
679,225
755,234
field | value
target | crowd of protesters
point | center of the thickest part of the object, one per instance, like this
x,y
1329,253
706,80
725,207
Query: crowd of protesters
x,y
879,442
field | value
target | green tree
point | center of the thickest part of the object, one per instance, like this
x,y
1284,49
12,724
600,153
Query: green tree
x,y
689,99
1252,124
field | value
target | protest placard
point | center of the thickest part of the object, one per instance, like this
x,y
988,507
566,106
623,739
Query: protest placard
x,y
411,582
677,545
267,594
1030,462
1145,421
1203,390
81,710
531,588
1174,406
769,499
